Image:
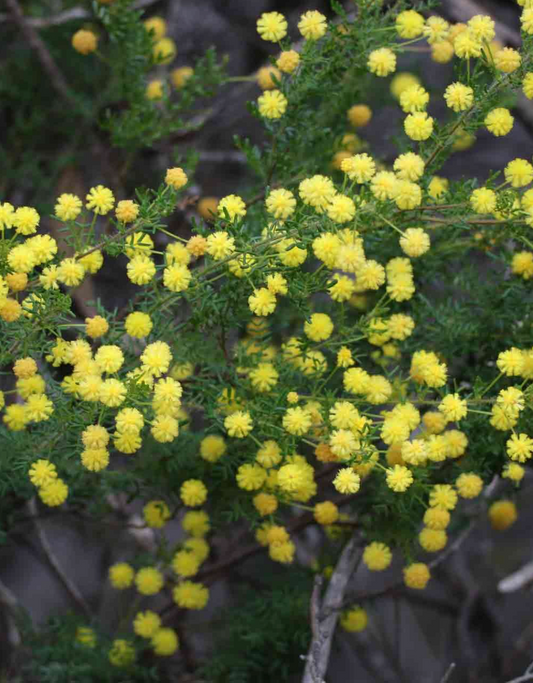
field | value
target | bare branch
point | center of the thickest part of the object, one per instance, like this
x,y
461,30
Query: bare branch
x,y
527,676
56,77
449,671
66,16
519,579
319,650
54,563
9,600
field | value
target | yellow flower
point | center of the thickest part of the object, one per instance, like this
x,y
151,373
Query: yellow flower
x,y
193,492
272,26
164,51
409,24
347,481
149,580
156,26
288,61
382,61
499,121
165,642
312,25
418,126
176,178
68,207
354,620
100,199
502,514
84,42
359,115
377,556
281,203
272,104
416,575
262,302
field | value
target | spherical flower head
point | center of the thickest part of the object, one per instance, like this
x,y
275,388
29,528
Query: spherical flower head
x,y
155,89
177,277
42,472
519,172
341,209
467,45
21,259
359,115
10,310
432,540
282,552
453,407
25,220
416,575
109,358
527,89
510,362
17,282
193,492
443,495
507,60
212,448
95,459
483,200
371,275
138,324
185,563
280,203
514,472
526,19
413,99
149,580
459,97
520,447
312,25
190,595
277,284
126,211
180,76
7,213
165,642
265,77
156,514
96,327
317,191
68,207
382,61
156,358
176,178
319,327
156,26
499,121
24,367
442,52
145,624
262,302
264,377
360,167
112,393
100,200
502,514
377,556
220,245
272,26
436,29
288,61
418,126
54,492
239,424
469,485
84,42
297,421
399,478
437,518
482,27
197,245
522,264
409,166
272,104
86,636
265,503
401,82
409,24
354,620
326,512
347,481
269,454
122,653
251,477
164,51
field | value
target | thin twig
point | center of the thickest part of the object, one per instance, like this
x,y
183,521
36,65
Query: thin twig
x,y
68,15
69,585
320,648
47,61
9,600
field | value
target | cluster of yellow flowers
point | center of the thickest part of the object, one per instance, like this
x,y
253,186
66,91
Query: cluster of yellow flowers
x,y
400,431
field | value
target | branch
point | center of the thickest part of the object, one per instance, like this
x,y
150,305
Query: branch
x,y
319,650
9,600
69,585
47,62
66,16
